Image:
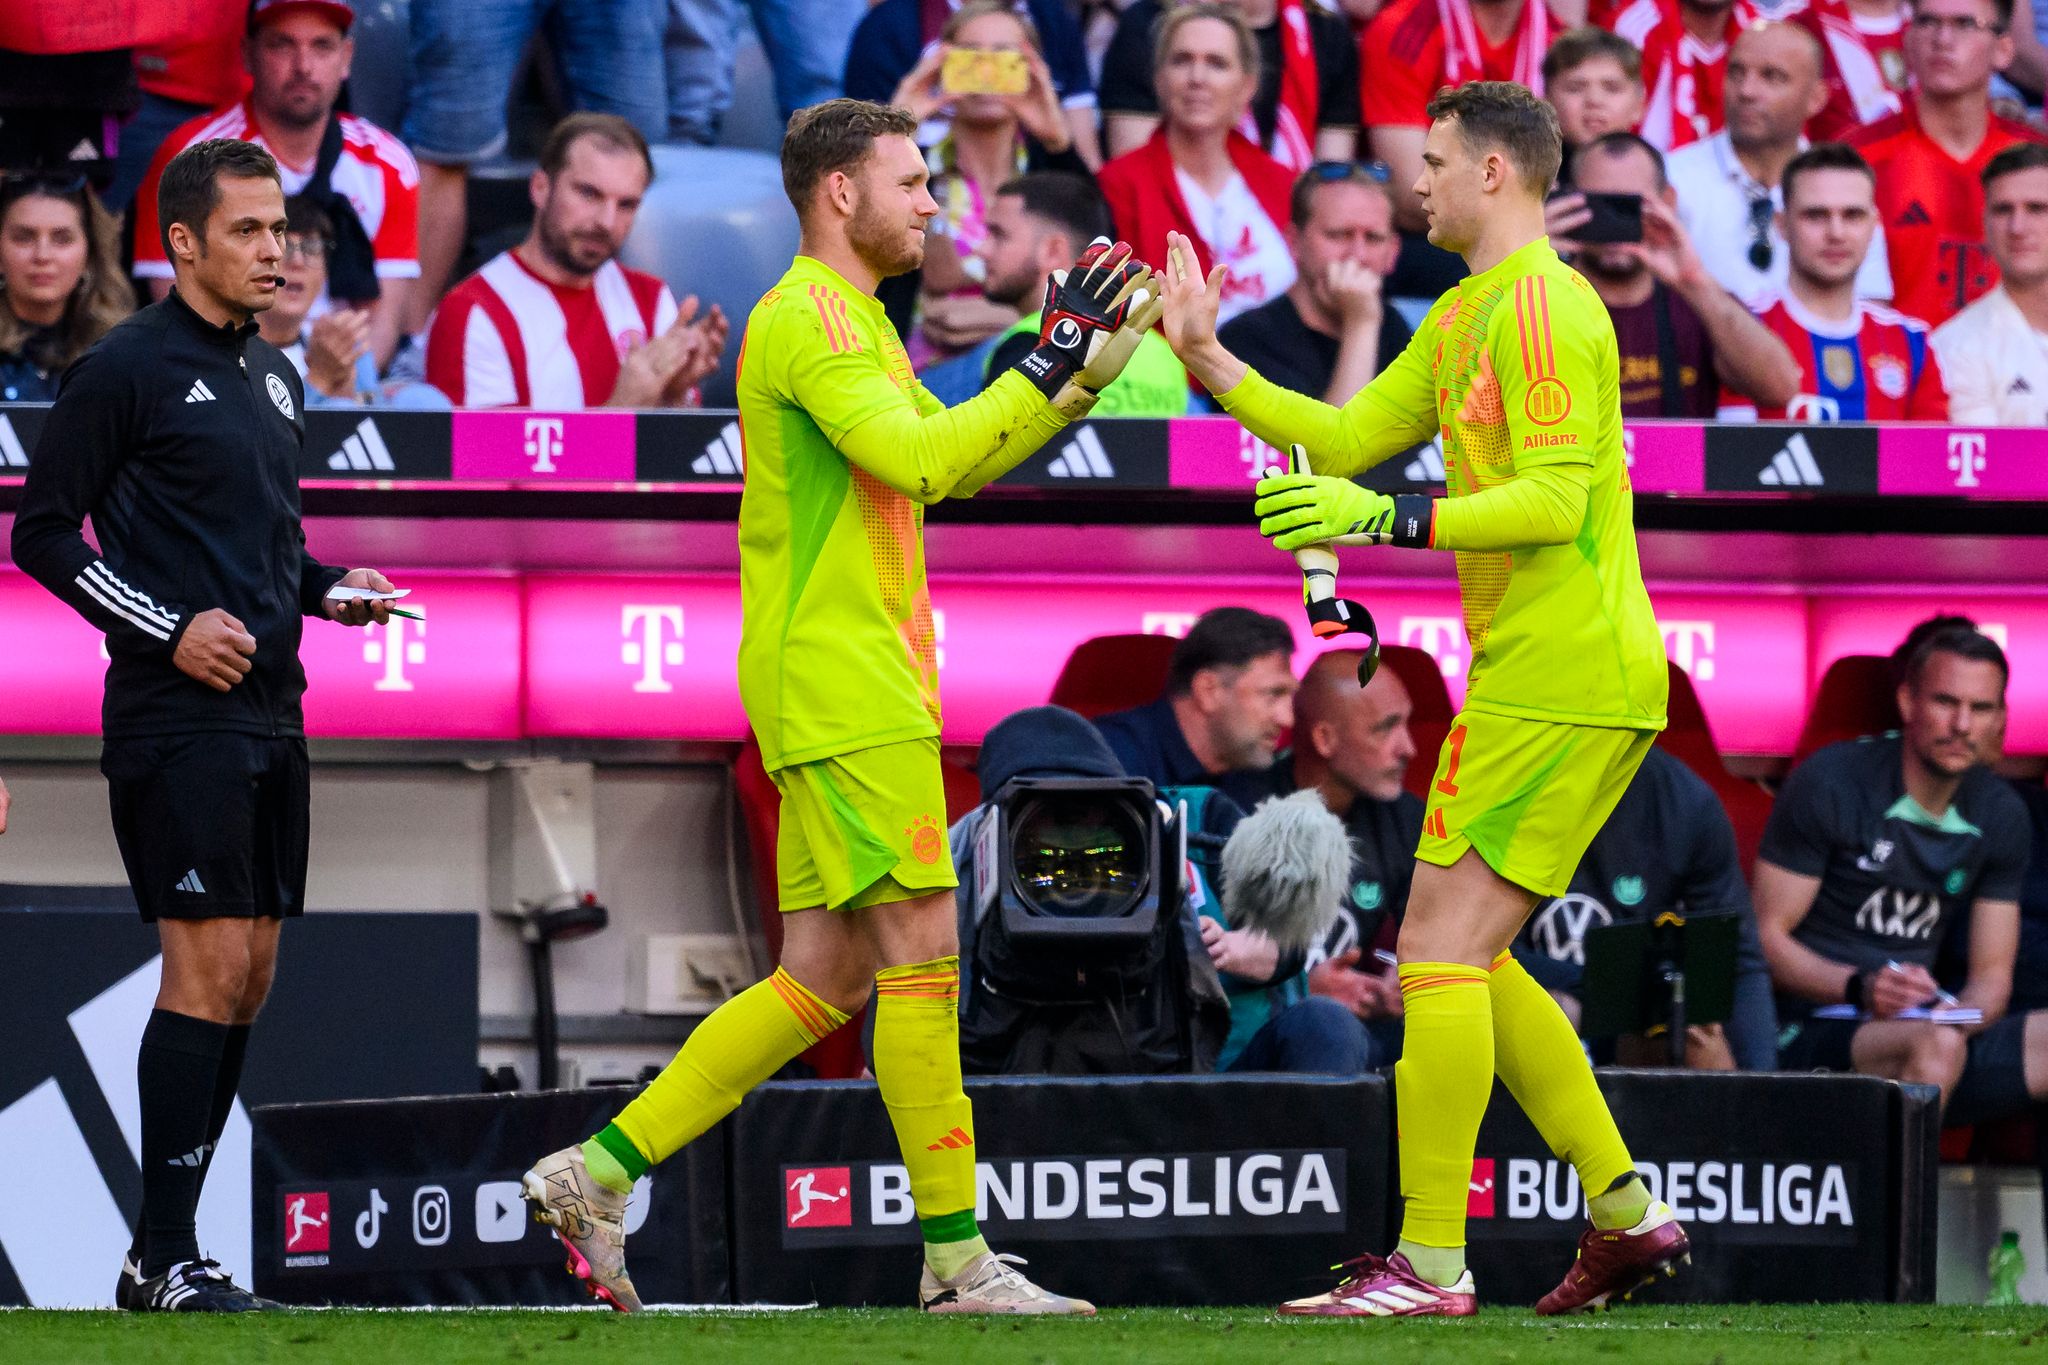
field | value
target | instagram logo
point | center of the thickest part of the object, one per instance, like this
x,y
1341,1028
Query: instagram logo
x,y
430,1218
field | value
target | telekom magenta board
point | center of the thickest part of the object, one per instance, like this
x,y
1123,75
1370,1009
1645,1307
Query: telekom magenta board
x,y
1873,623
455,675
653,656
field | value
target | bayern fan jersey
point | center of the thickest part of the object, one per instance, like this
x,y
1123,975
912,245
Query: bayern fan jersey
x,y
1865,65
1682,76
1932,207
1876,367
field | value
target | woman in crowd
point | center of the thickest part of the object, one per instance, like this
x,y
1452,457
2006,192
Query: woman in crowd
x,y
61,285
989,139
1199,176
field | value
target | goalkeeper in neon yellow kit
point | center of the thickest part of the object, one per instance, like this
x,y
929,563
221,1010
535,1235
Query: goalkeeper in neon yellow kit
x,y
839,677
1517,369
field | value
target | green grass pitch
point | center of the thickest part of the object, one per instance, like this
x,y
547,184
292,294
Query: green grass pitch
x,y
1733,1335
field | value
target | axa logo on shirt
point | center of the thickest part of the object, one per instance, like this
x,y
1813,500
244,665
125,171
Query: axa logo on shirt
x,y
1899,914
653,642
1754,1193
1080,1198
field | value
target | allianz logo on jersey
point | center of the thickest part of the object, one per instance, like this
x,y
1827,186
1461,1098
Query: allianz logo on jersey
x,y
1079,1198
1796,1194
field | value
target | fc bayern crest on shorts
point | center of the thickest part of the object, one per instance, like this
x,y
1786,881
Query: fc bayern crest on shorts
x,y
280,395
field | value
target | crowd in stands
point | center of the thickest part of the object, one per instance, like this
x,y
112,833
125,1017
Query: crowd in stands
x,y
1842,203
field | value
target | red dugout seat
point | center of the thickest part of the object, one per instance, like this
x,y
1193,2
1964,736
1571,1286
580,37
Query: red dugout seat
x,y
1856,697
1689,739
1113,673
838,1057
1430,723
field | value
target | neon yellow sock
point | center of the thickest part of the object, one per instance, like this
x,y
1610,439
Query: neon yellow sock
x,y
742,1043
1539,1057
1441,1086
917,1062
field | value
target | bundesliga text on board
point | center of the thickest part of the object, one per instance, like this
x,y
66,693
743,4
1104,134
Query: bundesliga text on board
x,y
1081,1198
1810,1202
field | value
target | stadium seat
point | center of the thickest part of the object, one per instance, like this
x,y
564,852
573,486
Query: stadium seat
x,y
1856,697
1688,738
838,1057
715,223
1431,720
1113,673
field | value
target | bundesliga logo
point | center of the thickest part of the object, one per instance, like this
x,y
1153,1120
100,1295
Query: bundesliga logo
x,y
818,1197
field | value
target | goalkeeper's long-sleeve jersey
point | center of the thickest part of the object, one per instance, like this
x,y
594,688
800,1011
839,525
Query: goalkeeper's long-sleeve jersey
x,y
1516,368
843,449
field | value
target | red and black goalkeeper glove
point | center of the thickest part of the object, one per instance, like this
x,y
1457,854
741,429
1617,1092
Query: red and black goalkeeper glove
x,y
1084,308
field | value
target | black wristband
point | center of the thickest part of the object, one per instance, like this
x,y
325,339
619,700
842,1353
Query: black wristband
x,y
1048,367
1414,520
1852,994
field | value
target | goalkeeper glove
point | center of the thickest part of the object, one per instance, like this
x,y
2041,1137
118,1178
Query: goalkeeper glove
x,y
1295,510
1090,323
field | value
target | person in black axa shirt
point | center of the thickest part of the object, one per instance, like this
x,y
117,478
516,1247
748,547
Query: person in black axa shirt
x,y
179,434
1881,858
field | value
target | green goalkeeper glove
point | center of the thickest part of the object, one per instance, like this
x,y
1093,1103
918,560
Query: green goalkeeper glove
x,y
1295,510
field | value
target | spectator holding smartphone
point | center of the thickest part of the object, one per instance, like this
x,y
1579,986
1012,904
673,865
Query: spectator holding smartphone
x,y
1005,119
1680,335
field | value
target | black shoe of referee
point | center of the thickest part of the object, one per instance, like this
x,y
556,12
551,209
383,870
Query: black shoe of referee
x,y
128,1289
197,1287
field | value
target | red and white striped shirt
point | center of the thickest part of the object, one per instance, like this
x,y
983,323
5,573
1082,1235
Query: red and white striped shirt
x,y
1682,76
1865,66
376,174
505,337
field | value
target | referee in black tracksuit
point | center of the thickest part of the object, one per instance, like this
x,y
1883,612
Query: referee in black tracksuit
x,y
179,434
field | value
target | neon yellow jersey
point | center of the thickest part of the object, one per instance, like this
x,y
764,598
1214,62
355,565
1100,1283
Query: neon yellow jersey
x,y
843,448
1517,370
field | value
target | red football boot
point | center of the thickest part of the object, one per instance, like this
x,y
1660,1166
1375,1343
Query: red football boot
x,y
1620,1261
1389,1288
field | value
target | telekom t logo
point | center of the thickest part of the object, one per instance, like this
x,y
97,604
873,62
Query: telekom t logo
x,y
1174,623
1257,456
396,645
1690,645
1966,456
653,640
1440,637
544,442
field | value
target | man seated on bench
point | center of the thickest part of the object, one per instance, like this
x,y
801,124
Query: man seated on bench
x,y
1893,864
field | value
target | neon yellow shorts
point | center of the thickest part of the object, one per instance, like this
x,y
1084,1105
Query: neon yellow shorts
x,y
1527,795
864,828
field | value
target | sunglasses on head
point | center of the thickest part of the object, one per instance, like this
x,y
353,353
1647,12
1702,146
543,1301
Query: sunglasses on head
x,y
62,184
1329,172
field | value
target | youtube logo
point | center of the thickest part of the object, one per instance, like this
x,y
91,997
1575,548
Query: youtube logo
x,y
1479,1194
500,1212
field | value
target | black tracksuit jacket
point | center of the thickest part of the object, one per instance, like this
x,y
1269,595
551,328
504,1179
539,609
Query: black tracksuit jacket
x,y
181,441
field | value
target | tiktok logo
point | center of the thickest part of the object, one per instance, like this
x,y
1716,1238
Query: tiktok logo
x,y
648,646
1440,637
1174,623
544,442
395,645
370,1222
1690,645
1966,457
